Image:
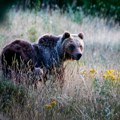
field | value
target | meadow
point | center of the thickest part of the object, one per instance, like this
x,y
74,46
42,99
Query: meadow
x,y
92,85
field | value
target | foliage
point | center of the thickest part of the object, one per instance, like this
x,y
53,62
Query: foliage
x,y
101,8
4,6
11,95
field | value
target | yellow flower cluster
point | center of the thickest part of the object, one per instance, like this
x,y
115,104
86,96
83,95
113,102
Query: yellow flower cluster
x,y
108,75
92,72
51,104
111,75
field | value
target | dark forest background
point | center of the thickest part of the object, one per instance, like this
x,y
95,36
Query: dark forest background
x,y
101,8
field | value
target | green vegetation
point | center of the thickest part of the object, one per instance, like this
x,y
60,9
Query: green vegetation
x,y
11,95
101,8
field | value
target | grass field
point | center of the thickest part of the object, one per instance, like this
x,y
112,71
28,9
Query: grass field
x,y
92,85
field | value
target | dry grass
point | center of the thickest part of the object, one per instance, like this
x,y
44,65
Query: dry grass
x,y
86,95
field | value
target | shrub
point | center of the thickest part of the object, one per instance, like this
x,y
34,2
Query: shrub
x,y
11,95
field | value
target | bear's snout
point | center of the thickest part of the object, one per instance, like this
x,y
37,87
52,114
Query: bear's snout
x,y
77,56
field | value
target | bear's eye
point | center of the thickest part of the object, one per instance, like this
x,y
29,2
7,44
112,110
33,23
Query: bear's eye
x,y
72,47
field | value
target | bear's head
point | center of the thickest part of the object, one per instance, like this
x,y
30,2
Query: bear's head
x,y
72,45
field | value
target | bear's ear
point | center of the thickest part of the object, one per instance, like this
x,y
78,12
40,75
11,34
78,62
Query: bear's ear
x,y
81,35
65,35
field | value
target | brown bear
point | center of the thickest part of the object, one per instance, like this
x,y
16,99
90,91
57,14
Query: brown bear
x,y
55,50
52,51
48,54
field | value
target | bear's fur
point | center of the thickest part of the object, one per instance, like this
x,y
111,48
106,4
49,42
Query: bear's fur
x,y
54,50
18,57
48,54
19,50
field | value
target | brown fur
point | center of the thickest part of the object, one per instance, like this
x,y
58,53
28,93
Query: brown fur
x,y
62,47
48,40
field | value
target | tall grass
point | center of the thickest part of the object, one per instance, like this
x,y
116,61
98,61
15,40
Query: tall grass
x,y
86,94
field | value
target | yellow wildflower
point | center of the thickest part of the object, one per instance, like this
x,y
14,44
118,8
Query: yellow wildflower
x,y
110,74
112,77
53,103
105,76
48,106
92,71
110,71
